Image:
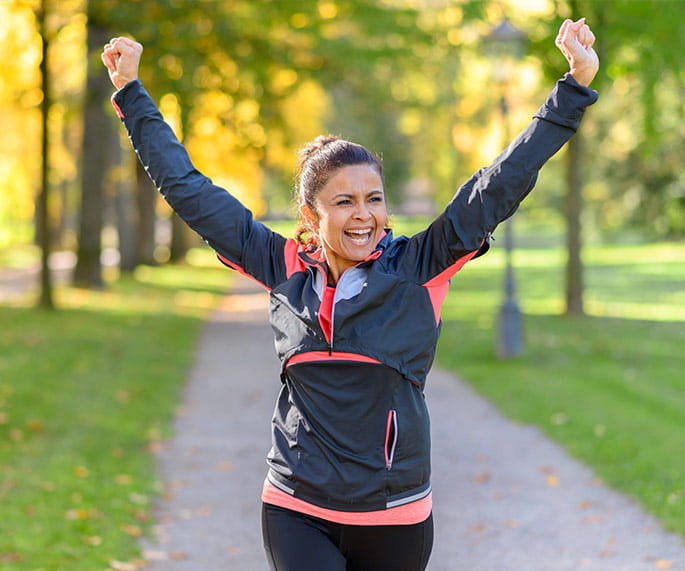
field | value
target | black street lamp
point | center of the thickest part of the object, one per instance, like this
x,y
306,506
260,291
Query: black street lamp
x,y
504,45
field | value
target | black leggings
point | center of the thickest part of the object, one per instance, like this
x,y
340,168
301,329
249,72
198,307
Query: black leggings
x,y
298,542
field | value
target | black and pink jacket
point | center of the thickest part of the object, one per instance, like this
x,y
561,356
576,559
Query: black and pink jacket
x,y
351,428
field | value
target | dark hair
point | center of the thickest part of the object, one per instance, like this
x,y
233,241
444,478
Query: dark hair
x,y
318,161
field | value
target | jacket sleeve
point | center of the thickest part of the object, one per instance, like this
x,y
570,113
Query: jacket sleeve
x,y
494,193
218,217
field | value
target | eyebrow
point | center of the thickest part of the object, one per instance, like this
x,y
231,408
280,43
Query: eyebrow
x,y
350,195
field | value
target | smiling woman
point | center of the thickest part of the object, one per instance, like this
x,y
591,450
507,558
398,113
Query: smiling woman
x,y
348,482
346,216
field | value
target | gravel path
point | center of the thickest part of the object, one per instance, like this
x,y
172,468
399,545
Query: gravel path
x,y
505,497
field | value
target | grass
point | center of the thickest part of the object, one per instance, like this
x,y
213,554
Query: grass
x,y
85,393
608,386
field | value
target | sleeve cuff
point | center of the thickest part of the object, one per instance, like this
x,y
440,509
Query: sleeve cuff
x,y
567,103
120,96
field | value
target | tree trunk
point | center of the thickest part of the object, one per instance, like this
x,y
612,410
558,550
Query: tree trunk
x,y
179,239
574,201
146,196
42,215
95,162
125,208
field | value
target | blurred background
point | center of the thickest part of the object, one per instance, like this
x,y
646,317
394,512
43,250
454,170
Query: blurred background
x,y
583,301
245,84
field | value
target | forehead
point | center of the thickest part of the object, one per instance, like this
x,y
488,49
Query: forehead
x,y
354,178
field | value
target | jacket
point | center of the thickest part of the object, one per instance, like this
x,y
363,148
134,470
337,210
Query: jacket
x,y
350,429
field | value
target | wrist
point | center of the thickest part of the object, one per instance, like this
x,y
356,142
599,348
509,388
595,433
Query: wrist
x,y
582,76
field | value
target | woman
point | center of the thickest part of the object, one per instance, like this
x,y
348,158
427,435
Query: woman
x,y
356,318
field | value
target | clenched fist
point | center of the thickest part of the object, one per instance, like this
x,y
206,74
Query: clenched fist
x,y
575,40
121,57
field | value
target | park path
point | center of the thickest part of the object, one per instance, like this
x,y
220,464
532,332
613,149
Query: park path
x,y
505,497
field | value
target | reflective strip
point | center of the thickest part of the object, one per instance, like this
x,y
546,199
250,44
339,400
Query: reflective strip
x,y
409,499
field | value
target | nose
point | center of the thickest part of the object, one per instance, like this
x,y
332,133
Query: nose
x,y
361,212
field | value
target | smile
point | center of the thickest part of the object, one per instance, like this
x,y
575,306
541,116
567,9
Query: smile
x,y
360,237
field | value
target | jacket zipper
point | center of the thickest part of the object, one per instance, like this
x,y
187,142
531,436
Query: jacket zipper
x,y
390,438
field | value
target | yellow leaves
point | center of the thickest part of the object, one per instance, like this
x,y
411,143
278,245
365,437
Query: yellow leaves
x,y
172,65
299,20
410,122
282,79
327,9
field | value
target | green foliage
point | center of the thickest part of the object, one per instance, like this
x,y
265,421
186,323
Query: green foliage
x,y
635,142
607,386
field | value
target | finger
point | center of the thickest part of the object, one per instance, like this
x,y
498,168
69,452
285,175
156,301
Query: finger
x,y
577,25
109,60
563,30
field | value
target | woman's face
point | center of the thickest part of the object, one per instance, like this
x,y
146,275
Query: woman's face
x,y
350,216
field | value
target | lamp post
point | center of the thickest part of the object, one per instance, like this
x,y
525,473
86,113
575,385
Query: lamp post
x,y
504,45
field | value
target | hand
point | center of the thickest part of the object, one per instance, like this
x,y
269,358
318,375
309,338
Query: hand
x,y
121,57
575,40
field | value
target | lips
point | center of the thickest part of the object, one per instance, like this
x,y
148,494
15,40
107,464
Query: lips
x,y
359,236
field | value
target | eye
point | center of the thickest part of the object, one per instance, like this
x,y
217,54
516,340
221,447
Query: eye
x,y
343,202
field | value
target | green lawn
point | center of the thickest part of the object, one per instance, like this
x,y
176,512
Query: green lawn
x,y
609,386
85,392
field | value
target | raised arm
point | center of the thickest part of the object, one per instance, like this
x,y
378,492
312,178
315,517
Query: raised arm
x,y
217,216
494,193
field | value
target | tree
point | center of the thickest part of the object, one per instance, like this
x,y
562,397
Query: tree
x,y
43,233
95,162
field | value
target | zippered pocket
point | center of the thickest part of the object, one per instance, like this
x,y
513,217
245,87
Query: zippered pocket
x,y
390,438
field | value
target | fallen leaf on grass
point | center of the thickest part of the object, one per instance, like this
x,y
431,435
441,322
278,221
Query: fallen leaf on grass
x,y
94,540
132,530
123,479
77,514
34,425
81,471
10,557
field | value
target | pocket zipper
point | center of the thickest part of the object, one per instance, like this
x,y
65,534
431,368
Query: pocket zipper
x,y
390,438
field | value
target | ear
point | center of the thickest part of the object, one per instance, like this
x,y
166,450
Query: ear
x,y
309,216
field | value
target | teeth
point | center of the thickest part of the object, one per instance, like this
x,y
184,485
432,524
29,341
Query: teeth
x,y
359,232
